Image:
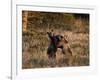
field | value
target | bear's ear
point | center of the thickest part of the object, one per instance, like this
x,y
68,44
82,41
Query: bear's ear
x,y
48,32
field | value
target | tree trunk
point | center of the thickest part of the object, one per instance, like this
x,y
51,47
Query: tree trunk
x,y
24,20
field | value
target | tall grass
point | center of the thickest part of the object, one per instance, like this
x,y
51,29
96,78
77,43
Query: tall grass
x,y
35,40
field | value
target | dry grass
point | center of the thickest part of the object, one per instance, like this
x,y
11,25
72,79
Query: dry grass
x,y
35,41
34,53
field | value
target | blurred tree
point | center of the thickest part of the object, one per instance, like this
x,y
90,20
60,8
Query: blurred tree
x,y
24,20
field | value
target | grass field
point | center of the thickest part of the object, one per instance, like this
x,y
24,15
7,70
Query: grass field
x,y
35,40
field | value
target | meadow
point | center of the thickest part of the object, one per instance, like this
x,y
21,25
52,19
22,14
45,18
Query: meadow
x,y
35,40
